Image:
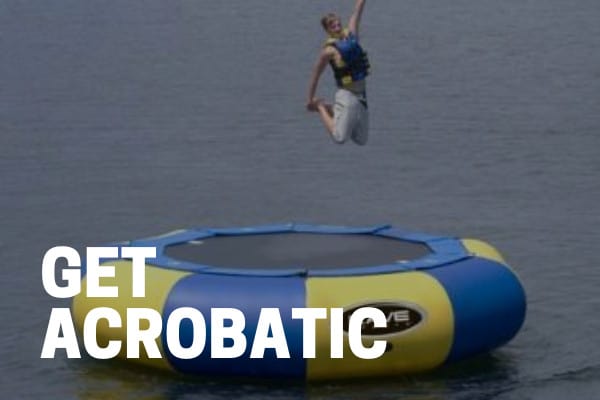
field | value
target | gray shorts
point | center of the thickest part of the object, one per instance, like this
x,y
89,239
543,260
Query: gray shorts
x,y
351,117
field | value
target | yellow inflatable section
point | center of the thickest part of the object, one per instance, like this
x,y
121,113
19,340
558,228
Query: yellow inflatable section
x,y
421,348
483,249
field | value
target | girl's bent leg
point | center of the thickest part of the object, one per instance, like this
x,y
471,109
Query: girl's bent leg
x,y
326,114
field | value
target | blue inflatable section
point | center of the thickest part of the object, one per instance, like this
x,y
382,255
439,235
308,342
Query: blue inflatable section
x,y
488,303
249,295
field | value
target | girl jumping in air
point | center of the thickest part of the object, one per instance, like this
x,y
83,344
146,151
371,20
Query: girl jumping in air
x,y
349,116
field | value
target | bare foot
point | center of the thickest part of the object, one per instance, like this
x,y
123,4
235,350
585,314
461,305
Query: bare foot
x,y
314,104
320,104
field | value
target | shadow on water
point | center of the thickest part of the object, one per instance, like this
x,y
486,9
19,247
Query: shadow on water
x,y
479,378
117,380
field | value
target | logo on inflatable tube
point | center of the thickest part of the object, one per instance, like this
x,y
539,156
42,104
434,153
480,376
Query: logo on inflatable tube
x,y
400,318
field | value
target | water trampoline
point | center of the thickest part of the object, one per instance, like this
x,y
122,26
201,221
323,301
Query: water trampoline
x,y
445,299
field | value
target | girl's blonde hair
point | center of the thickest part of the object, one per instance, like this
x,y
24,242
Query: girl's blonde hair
x,y
327,18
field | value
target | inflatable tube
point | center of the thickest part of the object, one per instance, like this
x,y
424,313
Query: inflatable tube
x,y
445,299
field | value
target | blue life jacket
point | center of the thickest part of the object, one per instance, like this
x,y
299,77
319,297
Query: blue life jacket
x,y
354,65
